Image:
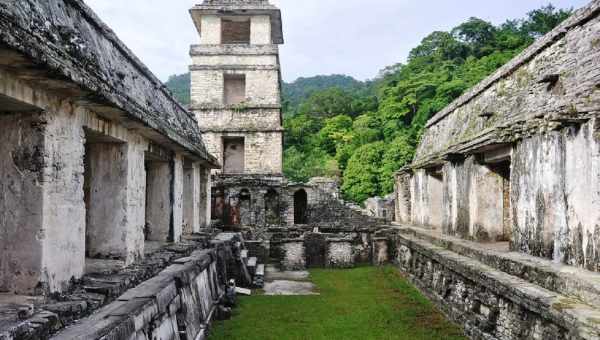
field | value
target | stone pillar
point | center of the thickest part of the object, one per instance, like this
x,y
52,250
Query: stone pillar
x,y
158,201
191,198
42,215
177,198
205,198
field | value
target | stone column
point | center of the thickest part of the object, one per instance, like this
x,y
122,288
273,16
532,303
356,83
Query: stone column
x,y
158,201
191,199
177,188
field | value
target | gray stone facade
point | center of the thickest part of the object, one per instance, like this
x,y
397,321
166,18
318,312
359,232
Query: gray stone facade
x,y
513,159
85,123
497,214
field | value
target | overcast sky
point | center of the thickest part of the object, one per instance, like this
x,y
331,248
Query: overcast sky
x,y
354,37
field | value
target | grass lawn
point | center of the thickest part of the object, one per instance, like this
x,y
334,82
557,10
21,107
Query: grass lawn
x,y
362,303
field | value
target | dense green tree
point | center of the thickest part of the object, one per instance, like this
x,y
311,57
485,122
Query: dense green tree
x,y
361,177
543,20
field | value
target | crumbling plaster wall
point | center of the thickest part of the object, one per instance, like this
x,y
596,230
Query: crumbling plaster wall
x,y
402,200
192,206
106,227
473,202
177,198
556,196
426,192
260,32
21,200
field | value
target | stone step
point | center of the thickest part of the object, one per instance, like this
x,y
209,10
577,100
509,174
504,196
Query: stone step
x,y
562,279
563,310
251,265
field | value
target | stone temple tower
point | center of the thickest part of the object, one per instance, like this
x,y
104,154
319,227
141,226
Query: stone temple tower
x,y
236,97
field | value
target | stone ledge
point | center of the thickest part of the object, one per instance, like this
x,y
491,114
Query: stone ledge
x,y
562,279
234,68
233,50
578,318
138,306
96,290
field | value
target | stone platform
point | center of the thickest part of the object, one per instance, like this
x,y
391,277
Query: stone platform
x,y
497,294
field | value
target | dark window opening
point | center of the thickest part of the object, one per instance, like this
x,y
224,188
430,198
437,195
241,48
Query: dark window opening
x,y
300,207
235,31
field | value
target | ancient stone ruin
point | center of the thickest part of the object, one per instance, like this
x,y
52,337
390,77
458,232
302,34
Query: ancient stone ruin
x,y
511,166
124,215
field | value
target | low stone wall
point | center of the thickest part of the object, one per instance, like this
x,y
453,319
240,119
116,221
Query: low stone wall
x,y
491,303
331,247
181,300
173,294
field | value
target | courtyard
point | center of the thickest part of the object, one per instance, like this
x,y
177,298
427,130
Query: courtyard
x,y
361,303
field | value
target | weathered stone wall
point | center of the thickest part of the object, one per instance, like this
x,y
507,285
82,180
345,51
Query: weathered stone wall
x,y
50,254
158,200
555,196
68,41
262,85
181,300
402,202
340,254
537,115
325,206
22,143
499,296
327,246
249,201
294,257
473,201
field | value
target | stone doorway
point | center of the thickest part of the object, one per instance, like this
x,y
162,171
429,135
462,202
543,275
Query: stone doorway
x,y
502,169
272,207
158,200
300,207
105,182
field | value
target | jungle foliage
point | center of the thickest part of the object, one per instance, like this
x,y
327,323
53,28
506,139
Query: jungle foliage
x,y
365,133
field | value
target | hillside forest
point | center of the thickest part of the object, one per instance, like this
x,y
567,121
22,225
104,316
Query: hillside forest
x,y
362,132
